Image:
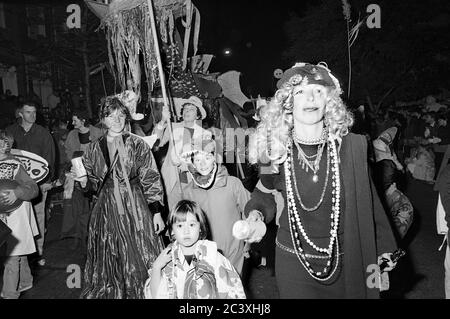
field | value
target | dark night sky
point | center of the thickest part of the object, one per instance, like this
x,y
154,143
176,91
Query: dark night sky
x,y
253,30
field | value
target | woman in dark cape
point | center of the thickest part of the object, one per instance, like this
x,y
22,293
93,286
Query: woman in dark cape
x,y
333,229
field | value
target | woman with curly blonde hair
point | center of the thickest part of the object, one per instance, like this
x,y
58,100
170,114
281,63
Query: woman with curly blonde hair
x,y
332,227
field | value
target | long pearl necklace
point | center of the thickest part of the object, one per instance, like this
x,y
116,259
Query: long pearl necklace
x,y
296,226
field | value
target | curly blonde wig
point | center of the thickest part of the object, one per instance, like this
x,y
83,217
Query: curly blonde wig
x,y
269,142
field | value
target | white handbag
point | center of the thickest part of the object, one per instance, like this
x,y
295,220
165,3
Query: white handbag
x,y
441,223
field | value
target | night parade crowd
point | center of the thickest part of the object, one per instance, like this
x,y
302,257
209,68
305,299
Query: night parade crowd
x,y
172,219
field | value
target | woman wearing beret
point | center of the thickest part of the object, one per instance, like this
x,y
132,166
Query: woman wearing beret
x,y
333,229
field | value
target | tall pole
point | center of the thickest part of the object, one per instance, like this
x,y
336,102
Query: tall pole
x,y
349,62
87,84
162,80
158,59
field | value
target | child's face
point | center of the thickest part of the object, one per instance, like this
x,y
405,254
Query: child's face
x,y
4,148
204,163
187,232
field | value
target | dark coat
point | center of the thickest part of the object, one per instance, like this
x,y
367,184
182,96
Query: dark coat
x,y
37,140
367,231
385,174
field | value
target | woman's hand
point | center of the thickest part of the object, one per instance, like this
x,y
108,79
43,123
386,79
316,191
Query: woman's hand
x,y
163,259
176,160
386,258
46,187
255,215
165,114
8,197
158,223
82,180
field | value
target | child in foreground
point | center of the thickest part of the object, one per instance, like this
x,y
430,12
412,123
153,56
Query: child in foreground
x,y
191,267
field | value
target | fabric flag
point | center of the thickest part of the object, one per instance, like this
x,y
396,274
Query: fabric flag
x,y
207,85
200,63
229,81
181,83
231,115
175,101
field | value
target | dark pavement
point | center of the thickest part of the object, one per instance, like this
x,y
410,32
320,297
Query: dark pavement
x,y
419,275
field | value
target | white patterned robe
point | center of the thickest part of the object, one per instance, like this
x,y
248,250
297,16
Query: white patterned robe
x,y
209,276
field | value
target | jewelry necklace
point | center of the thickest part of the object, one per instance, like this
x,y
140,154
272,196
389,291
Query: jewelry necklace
x,y
296,226
306,160
310,142
313,165
322,195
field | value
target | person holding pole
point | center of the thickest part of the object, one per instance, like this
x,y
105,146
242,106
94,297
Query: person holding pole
x,y
187,136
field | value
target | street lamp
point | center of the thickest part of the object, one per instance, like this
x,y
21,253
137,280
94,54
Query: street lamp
x,y
227,52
